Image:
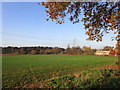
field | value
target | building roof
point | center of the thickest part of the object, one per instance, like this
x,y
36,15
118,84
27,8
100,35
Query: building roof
x,y
103,51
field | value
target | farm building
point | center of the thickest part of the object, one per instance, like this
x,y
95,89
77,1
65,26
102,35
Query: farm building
x,y
111,53
102,52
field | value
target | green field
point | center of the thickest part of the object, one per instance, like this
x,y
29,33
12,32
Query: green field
x,y
23,69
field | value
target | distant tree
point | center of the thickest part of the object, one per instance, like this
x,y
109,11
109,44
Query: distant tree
x,y
22,50
28,50
73,51
57,50
67,50
42,51
107,48
76,50
92,52
33,52
16,50
88,50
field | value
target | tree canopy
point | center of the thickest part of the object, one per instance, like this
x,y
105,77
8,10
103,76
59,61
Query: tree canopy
x,y
99,17
107,48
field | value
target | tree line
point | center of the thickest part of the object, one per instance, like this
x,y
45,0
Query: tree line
x,y
85,50
48,50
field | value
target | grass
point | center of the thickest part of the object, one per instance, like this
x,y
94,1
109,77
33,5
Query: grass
x,y
23,69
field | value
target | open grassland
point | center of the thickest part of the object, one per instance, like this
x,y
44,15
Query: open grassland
x,y
19,70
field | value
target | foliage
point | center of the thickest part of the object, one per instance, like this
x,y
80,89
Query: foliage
x,y
73,51
33,52
18,70
99,17
88,50
45,50
107,48
100,78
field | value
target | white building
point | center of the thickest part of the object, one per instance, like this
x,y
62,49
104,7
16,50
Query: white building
x,y
102,52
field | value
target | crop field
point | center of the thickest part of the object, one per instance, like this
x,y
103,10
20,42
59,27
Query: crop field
x,y
19,70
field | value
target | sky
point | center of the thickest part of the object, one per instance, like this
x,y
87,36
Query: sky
x,y
24,24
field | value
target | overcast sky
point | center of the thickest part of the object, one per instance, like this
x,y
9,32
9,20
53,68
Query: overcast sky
x,y
24,24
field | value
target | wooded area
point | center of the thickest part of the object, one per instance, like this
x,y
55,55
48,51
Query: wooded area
x,y
48,50
85,50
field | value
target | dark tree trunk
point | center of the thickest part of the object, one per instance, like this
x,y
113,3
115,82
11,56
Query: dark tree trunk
x,y
118,43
